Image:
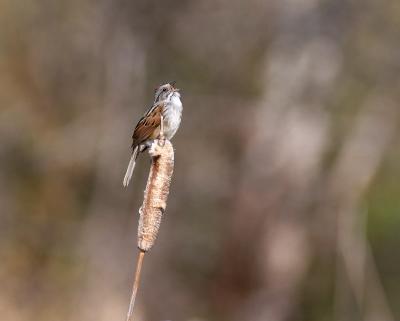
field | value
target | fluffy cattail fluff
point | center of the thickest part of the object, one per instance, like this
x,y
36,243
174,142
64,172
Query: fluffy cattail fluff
x,y
156,193
154,204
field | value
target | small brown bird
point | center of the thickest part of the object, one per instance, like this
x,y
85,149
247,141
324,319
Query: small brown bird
x,y
167,107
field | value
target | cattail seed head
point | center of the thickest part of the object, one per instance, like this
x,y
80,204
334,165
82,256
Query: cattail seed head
x,y
156,193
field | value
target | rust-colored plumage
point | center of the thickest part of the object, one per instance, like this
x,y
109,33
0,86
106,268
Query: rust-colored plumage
x,y
148,126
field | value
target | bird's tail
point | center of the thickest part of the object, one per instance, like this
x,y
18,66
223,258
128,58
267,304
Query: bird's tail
x,y
131,166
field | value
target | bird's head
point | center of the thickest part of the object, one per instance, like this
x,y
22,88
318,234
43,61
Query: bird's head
x,y
165,92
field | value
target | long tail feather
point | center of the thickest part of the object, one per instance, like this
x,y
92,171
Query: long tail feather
x,y
131,167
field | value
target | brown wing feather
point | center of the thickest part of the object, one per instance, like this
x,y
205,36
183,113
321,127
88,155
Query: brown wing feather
x,y
148,126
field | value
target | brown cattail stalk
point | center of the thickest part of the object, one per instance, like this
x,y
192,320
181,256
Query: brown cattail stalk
x,y
154,204
135,284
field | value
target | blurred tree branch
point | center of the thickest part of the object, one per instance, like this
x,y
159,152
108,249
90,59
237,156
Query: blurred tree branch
x,y
357,164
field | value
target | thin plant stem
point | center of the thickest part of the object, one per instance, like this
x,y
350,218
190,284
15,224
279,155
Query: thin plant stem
x,y
135,285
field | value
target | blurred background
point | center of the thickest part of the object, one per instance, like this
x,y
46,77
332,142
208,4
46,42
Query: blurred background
x,y
285,198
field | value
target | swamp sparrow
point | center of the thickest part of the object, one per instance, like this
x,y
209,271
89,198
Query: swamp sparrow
x,y
165,113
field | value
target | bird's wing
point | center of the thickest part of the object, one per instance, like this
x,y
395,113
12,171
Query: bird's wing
x,y
148,126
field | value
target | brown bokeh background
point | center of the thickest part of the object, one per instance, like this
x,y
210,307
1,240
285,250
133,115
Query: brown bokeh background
x,y
285,199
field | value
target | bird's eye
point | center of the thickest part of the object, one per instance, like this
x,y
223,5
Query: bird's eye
x,y
164,89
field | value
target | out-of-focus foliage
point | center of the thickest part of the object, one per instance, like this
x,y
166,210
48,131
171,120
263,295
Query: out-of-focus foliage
x,y
285,200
